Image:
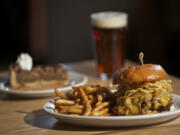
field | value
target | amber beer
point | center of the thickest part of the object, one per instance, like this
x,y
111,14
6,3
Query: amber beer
x,y
109,34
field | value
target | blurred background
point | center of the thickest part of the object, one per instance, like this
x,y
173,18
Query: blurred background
x,y
59,31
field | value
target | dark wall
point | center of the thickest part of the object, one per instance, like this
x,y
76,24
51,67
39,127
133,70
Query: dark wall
x,y
69,26
14,29
156,32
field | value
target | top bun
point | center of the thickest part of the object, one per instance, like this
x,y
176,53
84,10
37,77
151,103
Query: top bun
x,y
140,74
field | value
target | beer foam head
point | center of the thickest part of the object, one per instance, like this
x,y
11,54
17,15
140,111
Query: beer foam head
x,y
109,19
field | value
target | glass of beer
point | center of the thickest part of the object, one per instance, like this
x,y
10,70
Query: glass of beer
x,y
109,34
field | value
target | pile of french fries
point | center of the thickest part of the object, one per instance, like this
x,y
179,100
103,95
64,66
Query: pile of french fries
x,y
87,100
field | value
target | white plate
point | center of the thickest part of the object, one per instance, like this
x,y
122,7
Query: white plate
x,y
117,121
76,79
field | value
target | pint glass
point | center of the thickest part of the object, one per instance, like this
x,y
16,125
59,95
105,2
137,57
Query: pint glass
x,y
109,34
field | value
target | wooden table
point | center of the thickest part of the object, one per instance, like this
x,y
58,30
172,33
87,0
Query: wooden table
x,y
25,116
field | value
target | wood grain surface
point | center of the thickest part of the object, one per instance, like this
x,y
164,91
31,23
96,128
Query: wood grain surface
x,y
20,116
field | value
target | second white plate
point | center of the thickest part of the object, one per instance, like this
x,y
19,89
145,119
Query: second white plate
x,y
76,79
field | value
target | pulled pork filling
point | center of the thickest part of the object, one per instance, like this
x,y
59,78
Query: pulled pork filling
x,y
145,98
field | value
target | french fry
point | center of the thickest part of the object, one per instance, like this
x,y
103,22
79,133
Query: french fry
x,y
69,109
98,89
75,92
78,101
99,99
107,114
60,102
86,102
76,96
101,106
101,112
74,106
56,110
90,90
75,110
92,99
60,94
74,114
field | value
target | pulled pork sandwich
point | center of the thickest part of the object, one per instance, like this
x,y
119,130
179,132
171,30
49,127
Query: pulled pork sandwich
x,y
142,90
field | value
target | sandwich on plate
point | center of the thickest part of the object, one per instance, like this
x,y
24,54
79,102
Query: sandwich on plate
x,y
142,89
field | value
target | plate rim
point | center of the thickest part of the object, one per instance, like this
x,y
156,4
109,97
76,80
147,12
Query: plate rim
x,y
137,117
45,91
